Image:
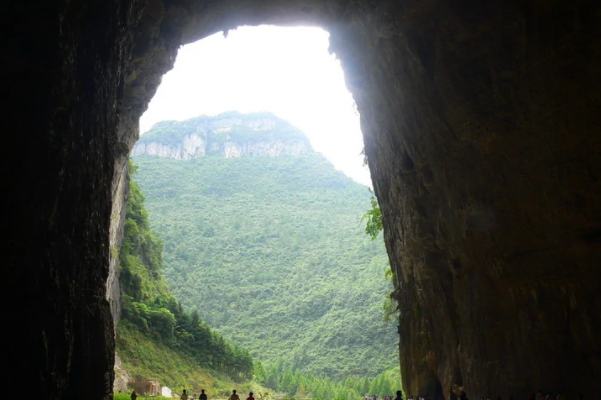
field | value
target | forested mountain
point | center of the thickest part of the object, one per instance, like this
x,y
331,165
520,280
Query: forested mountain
x,y
157,339
269,247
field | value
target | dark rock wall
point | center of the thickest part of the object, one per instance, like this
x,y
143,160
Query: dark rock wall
x,y
482,127
62,81
481,122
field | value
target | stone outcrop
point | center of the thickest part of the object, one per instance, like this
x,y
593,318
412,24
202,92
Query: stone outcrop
x,y
277,148
481,124
116,232
121,376
192,146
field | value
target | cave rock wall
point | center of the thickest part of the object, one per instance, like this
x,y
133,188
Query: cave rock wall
x,y
481,125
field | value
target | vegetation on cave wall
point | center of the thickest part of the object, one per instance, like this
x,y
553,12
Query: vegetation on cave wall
x,y
373,228
272,252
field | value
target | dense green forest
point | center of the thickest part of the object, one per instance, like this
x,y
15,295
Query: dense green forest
x,y
273,254
149,307
157,339
297,384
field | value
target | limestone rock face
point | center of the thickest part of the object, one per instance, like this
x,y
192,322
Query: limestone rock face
x,y
264,149
118,213
481,152
481,124
193,146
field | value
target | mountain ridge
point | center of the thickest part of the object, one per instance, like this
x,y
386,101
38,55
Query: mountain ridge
x,y
231,134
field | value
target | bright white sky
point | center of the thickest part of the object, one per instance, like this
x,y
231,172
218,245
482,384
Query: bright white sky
x,y
287,71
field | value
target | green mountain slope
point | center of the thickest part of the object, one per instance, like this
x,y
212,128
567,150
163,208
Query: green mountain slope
x,y
153,321
272,252
152,359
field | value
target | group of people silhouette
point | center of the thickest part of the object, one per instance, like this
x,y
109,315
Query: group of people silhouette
x,y
540,395
399,396
201,396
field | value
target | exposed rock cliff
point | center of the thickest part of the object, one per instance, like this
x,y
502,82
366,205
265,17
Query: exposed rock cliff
x,y
121,376
118,212
231,134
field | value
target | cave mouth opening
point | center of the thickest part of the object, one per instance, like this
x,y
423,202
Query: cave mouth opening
x,y
287,71
91,87
311,94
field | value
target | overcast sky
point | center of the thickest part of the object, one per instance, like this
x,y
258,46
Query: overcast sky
x,y
287,71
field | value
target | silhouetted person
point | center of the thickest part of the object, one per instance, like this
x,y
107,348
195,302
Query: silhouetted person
x,y
234,396
250,396
134,396
202,395
399,395
184,395
463,396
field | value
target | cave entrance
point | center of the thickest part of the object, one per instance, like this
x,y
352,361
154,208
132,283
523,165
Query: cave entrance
x,y
287,71
440,83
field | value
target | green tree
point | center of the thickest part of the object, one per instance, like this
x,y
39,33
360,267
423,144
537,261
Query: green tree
x,y
373,218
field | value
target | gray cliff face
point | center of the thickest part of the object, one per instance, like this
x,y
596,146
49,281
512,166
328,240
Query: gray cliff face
x,y
278,148
118,213
193,146
230,137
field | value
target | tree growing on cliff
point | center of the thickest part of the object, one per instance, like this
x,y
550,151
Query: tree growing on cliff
x,y
373,218
373,227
